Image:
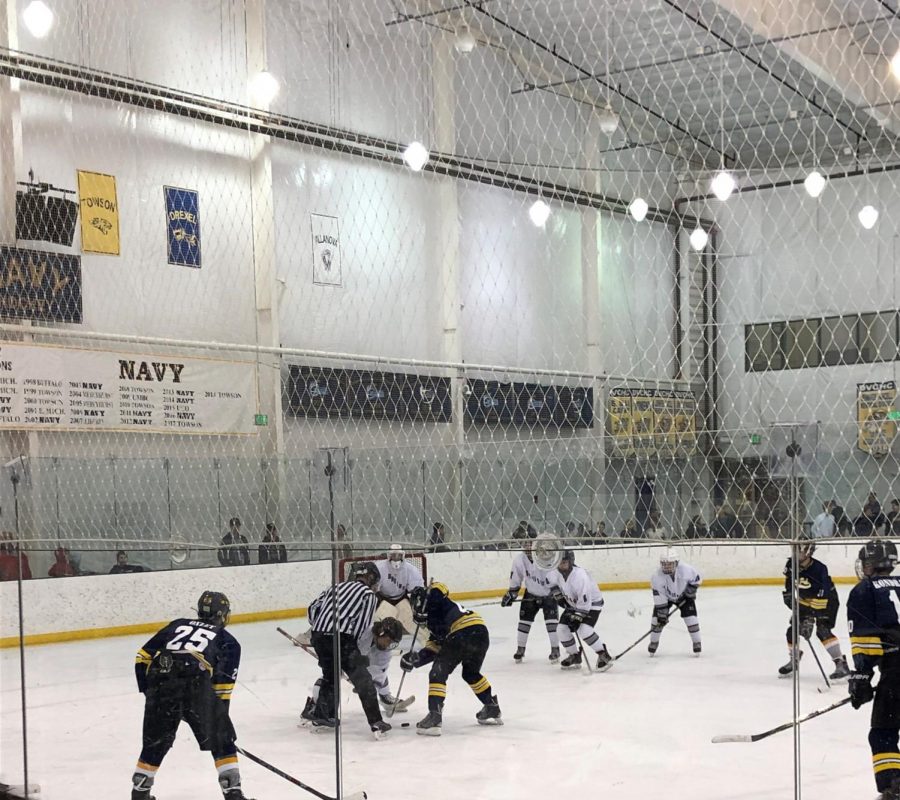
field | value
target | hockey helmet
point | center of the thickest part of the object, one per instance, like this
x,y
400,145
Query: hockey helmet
x,y
214,607
806,549
876,557
389,628
567,557
668,560
396,556
366,572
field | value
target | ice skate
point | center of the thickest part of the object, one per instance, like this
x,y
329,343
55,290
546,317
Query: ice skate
x,y
395,703
697,648
230,781
841,669
604,660
308,714
554,655
652,647
431,725
490,713
571,661
380,729
786,669
140,790
519,655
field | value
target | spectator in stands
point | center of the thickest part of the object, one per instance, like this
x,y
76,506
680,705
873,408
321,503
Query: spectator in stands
x,y
272,551
630,530
233,550
725,525
823,526
841,521
893,517
871,519
600,533
438,540
11,558
122,566
63,567
696,528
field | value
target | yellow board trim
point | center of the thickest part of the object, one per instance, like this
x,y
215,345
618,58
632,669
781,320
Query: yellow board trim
x,y
294,613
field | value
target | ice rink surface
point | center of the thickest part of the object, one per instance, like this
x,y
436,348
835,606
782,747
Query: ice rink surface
x,y
641,730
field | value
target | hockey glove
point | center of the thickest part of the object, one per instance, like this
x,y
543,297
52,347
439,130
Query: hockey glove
x,y
860,687
572,619
661,616
509,597
409,661
690,593
786,596
807,625
559,598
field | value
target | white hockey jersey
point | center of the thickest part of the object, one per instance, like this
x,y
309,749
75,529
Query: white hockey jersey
x,y
537,581
668,588
579,589
397,583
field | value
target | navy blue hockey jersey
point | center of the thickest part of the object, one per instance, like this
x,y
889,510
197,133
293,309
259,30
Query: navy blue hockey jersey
x,y
873,617
194,643
814,587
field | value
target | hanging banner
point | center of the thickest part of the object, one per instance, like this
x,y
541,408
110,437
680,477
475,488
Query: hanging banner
x,y
99,213
183,226
619,423
664,422
873,403
40,286
326,243
59,388
643,428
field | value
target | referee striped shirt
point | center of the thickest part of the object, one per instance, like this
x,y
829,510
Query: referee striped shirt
x,y
355,605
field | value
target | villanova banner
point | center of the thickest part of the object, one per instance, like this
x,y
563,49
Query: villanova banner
x,y
183,226
99,213
326,237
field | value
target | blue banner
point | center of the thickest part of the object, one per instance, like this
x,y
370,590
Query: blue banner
x,y
183,226
44,287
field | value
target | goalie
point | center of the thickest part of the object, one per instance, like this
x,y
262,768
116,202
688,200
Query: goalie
x,y
398,578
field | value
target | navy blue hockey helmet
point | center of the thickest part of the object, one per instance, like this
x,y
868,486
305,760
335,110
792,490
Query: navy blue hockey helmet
x,y
214,607
876,556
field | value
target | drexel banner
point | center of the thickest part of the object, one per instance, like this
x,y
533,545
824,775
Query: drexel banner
x,y
44,287
183,226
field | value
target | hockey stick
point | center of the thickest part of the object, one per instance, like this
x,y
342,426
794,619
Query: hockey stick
x,y
392,709
583,654
493,603
632,646
305,648
787,725
291,779
819,665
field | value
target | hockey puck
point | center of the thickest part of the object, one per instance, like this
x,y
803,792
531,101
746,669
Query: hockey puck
x,y
404,724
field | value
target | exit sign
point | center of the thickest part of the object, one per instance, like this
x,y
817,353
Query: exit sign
x,y
755,438
261,419
893,415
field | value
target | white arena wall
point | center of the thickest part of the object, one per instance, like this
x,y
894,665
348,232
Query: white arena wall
x,y
97,606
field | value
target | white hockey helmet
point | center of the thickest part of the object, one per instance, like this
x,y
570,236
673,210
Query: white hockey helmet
x,y
396,556
668,560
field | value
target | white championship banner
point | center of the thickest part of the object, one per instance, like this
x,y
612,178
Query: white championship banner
x,y
53,388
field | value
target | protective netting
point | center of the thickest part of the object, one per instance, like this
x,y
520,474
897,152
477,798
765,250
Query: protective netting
x,y
225,301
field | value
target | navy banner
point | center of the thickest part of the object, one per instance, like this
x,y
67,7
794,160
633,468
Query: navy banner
x,y
183,226
44,287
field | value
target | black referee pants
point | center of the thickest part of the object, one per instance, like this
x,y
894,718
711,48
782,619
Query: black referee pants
x,y
354,664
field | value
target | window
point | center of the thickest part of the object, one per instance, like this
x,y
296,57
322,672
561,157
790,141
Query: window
x,y
801,343
877,337
764,346
838,341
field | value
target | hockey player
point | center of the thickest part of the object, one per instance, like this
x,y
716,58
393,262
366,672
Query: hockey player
x,y
580,596
349,605
819,603
187,672
385,638
458,636
398,578
872,616
538,583
674,584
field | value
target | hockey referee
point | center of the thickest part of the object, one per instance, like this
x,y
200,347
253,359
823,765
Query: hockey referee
x,y
355,601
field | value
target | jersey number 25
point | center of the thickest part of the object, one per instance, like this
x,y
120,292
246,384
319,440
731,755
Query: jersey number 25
x,y
199,639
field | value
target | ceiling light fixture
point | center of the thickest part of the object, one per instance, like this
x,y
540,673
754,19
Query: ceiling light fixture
x,y
723,185
539,213
699,239
38,18
465,42
264,88
638,209
814,183
416,156
868,216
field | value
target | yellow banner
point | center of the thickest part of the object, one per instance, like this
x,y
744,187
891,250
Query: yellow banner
x,y
99,213
874,401
619,422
